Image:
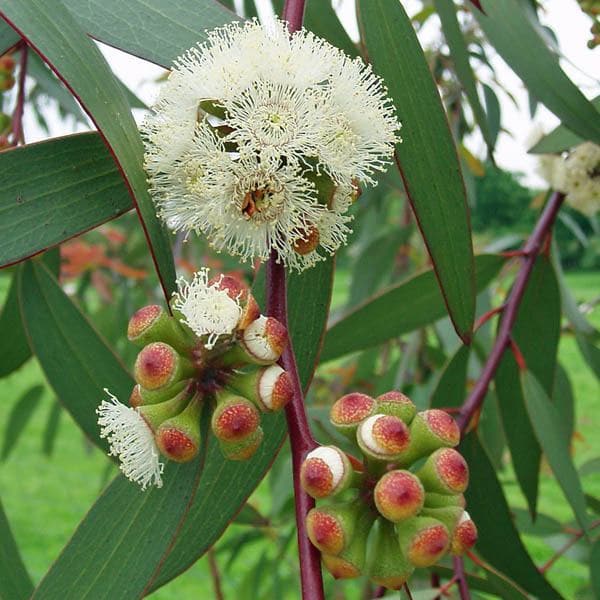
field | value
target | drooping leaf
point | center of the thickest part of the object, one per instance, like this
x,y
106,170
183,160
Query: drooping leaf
x,y
14,349
451,386
460,57
590,353
492,105
15,583
53,32
76,361
499,541
549,430
18,418
76,187
542,526
564,401
595,568
155,30
432,179
8,37
51,429
400,309
509,28
560,138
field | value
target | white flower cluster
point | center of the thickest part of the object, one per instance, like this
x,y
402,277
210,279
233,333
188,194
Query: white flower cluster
x,y
259,140
577,175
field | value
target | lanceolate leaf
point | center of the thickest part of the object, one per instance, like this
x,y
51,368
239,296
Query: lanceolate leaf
x,y
400,309
492,105
54,33
560,138
19,417
546,422
8,37
54,190
14,349
76,361
427,156
460,56
450,389
509,29
155,30
15,583
499,541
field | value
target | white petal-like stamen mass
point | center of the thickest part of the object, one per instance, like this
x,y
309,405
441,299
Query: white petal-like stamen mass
x,y
131,440
258,134
207,310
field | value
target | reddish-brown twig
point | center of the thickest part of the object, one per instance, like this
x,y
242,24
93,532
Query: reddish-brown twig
x,y
214,573
17,123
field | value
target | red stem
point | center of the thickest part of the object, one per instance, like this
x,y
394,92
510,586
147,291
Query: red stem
x,y
301,439
461,580
293,13
17,124
509,314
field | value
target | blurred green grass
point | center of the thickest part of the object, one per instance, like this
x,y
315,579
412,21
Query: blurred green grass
x,y
45,498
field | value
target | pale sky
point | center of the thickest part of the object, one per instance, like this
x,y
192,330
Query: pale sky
x,y
564,16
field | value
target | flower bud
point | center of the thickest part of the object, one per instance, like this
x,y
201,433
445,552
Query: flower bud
x,y
7,63
245,449
423,540
430,430
235,419
155,414
308,242
330,528
398,495
5,123
6,81
159,365
448,515
326,471
238,291
347,413
445,472
434,500
141,396
465,535
153,324
383,437
350,562
264,340
396,404
270,388
178,438
389,567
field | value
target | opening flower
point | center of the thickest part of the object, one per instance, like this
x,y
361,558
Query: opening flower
x,y
131,440
260,139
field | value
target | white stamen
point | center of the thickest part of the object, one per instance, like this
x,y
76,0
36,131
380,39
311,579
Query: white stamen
x,y
267,382
131,440
365,431
257,341
331,456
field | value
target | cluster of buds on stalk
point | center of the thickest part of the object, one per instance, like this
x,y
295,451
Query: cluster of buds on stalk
x,y
215,350
7,81
592,9
406,495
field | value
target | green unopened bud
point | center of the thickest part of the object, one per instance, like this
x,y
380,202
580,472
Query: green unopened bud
x,y
235,419
383,437
327,471
155,414
448,515
465,535
445,472
159,366
270,388
153,324
434,500
396,404
349,411
178,438
330,528
245,449
430,430
141,396
398,495
423,540
5,123
7,81
389,567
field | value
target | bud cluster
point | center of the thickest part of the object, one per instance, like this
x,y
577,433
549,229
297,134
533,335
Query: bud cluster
x,y
592,9
7,81
215,349
406,493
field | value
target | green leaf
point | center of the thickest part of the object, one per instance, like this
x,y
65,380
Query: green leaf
x,y
14,349
499,541
542,526
76,187
492,105
451,386
18,418
560,138
509,28
432,179
8,37
154,30
549,430
51,429
400,309
249,515
564,401
595,568
76,361
54,34
125,536
460,57
15,583
590,353
225,486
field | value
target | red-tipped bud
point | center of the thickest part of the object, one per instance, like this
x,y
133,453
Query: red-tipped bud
x,y
396,404
5,123
155,414
434,500
347,413
135,399
235,419
399,495
250,312
178,438
7,63
383,437
264,340
389,567
245,449
153,324
7,81
423,540
445,472
430,430
465,535
270,388
159,365
330,528
326,471
143,397
448,515
238,291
